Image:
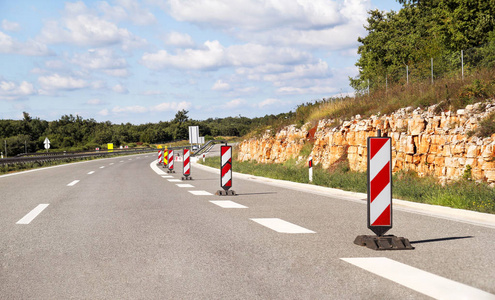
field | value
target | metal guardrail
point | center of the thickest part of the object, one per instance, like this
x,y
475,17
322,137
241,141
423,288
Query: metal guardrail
x,y
53,156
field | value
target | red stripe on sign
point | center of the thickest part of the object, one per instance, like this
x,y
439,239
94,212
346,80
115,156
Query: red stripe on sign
x,y
383,219
225,169
375,145
229,183
381,180
224,149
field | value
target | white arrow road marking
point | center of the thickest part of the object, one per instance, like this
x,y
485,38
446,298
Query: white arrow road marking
x,y
281,226
200,193
73,183
32,214
92,172
228,204
421,281
185,185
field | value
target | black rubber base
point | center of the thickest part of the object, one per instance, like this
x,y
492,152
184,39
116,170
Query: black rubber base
x,y
386,242
225,193
186,178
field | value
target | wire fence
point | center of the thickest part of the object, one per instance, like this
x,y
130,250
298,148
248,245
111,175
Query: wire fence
x,y
457,64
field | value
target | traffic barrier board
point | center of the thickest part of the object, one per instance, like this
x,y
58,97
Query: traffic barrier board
x,y
171,161
226,171
186,170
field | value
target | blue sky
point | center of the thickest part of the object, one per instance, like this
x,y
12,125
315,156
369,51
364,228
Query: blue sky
x,y
142,61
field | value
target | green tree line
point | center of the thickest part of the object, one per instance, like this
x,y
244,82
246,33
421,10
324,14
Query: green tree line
x,y
73,133
419,31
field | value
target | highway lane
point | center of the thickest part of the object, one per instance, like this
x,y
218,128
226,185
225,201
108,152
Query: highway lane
x,y
126,232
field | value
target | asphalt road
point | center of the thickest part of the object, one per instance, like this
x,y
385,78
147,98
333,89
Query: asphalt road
x,y
127,232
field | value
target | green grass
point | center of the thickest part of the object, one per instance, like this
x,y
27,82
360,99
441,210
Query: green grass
x,y
462,194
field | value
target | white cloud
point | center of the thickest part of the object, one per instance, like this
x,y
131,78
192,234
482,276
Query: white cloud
x,y
137,14
118,88
235,103
95,101
179,39
132,109
57,82
172,106
29,48
327,24
269,102
82,27
102,59
10,90
220,85
104,112
214,56
10,26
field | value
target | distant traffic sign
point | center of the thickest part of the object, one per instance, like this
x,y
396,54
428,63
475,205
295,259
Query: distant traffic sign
x,y
47,143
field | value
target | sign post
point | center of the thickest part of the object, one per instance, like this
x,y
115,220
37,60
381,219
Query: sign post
x,y
380,198
225,171
310,166
186,170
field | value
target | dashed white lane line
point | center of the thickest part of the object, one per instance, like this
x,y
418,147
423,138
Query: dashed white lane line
x,y
32,214
92,172
102,167
228,204
185,185
73,183
421,281
130,158
200,193
111,164
121,161
174,180
167,176
281,226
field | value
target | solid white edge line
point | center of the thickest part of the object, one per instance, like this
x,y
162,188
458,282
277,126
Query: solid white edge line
x,y
281,226
73,183
32,214
421,281
58,166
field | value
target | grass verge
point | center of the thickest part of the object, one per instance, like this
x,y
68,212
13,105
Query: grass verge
x,y
462,194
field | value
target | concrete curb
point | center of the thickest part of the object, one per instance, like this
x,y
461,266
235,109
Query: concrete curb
x,y
453,214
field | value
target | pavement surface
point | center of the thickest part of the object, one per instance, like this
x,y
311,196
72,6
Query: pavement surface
x,y
124,228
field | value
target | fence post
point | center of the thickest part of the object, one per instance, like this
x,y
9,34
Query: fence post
x,y
432,70
462,64
407,74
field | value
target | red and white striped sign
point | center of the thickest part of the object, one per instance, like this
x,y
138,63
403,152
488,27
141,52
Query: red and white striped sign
x,y
187,163
160,156
226,167
379,184
170,159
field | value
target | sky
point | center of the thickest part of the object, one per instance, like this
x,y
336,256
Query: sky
x,y
141,61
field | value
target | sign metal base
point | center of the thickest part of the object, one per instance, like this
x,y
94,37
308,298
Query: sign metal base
x,y
225,193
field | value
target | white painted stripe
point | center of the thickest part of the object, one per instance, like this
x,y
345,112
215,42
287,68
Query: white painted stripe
x,y
174,180
185,185
32,214
92,172
130,158
200,193
156,169
380,160
421,281
226,156
111,163
121,161
228,204
167,176
380,203
282,226
102,167
73,183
